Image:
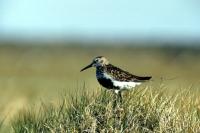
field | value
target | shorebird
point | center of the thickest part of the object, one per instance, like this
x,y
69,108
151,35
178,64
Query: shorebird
x,y
112,77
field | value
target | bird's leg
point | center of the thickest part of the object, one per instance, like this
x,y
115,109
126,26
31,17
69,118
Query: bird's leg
x,y
115,98
115,101
120,97
118,109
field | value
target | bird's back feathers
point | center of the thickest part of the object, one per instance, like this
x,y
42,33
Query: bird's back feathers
x,y
121,75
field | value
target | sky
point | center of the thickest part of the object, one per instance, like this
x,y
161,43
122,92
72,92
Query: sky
x,y
173,19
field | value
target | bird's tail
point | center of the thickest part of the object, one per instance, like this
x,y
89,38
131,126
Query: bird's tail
x,y
144,78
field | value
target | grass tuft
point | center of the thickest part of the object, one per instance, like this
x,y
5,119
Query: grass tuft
x,y
142,110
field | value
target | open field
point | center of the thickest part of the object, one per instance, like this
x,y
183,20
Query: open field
x,y
34,74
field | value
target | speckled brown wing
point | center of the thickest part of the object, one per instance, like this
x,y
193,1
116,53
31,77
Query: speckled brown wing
x,y
121,75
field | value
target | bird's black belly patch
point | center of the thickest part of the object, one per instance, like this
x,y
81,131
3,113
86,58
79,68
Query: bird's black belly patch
x,y
107,83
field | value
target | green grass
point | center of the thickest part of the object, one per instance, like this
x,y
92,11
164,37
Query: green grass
x,y
146,109
1,123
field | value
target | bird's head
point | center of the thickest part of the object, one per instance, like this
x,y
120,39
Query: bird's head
x,y
97,61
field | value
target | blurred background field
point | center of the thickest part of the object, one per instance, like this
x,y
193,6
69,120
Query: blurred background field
x,y
32,74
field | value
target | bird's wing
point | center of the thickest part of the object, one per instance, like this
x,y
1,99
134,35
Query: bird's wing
x,y
121,75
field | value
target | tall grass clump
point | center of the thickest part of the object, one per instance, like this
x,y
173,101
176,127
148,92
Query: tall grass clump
x,y
1,124
142,110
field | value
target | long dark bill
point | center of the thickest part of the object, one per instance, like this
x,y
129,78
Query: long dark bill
x,y
86,67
